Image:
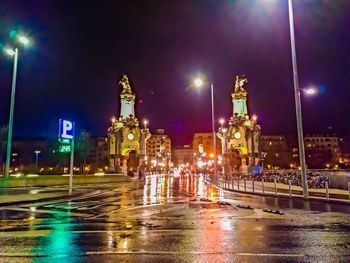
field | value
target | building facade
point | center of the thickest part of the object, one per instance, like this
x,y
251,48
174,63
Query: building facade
x,y
183,155
276,154
98,157
322,151
158,149
202,144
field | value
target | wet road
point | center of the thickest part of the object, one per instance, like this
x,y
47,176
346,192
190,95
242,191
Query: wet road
x,y
172,219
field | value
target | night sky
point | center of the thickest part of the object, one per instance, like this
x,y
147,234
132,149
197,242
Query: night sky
x,y
81,49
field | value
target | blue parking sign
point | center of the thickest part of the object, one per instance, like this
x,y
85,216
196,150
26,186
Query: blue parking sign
x,y
66,129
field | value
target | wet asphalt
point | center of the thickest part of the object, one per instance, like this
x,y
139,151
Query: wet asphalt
x,y
163,218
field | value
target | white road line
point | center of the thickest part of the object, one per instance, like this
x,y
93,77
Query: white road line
x,y
141,252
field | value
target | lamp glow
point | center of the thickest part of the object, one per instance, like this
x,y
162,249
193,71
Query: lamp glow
x,y
222,121
310,91
145,122
24,40
10,52
198,82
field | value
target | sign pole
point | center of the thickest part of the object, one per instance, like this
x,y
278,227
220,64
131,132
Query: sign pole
x,y
71,163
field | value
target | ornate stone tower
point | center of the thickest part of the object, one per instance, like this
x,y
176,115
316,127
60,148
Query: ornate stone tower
x,y
126,140
241,139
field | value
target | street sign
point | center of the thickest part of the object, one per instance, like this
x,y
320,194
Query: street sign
x,y
66,140
66,129
64,148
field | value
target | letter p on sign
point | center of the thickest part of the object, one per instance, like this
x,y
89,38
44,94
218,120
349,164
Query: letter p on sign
x,y
66,129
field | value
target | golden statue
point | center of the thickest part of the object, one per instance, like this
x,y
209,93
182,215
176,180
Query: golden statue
x,y
124,82
240,81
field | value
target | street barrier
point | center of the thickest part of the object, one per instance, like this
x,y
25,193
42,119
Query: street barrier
x,y
262,185
287,189
290,188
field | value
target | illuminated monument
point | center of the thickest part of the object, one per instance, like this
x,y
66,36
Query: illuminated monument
x,y
126,140
241,139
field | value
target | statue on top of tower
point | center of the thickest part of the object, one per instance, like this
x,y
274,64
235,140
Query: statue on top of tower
x,y
240,81
124,82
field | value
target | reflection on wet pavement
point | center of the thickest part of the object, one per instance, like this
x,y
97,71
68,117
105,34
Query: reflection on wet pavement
x,y
164,218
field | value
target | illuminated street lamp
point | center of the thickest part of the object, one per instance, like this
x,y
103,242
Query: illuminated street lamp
x,y
198,82
13,53
310,91
254,117
37,152
145,123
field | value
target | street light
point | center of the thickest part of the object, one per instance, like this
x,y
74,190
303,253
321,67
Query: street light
x,y
13,53
310,91
198,82
37,158
298,103
145,122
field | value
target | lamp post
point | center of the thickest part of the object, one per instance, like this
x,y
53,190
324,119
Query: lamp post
x,y
199,83
37,152
13,53
298,103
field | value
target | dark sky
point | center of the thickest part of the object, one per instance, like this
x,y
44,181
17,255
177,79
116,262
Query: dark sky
x,y
81,48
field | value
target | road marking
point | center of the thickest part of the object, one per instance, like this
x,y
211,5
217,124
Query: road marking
x,y
141,252
270,255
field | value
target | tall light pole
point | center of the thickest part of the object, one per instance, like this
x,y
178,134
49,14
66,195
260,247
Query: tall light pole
x,y
37,152
14,53
199,83
298,103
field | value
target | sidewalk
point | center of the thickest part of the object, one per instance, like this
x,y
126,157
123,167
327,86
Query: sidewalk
x,y
18,196
282,190
6,199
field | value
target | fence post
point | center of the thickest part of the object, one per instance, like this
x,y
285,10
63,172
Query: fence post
x,y
275,182
262,185
327,192
238,184
245,185
349,189
290,188
253,186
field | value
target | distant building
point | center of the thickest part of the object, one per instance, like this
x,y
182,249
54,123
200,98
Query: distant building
x,y
98,156
276,153
159,145
182,155
322,151
203,144
344,144
24,151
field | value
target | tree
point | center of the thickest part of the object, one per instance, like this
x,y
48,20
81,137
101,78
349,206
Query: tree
x,y
83,146
3,143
